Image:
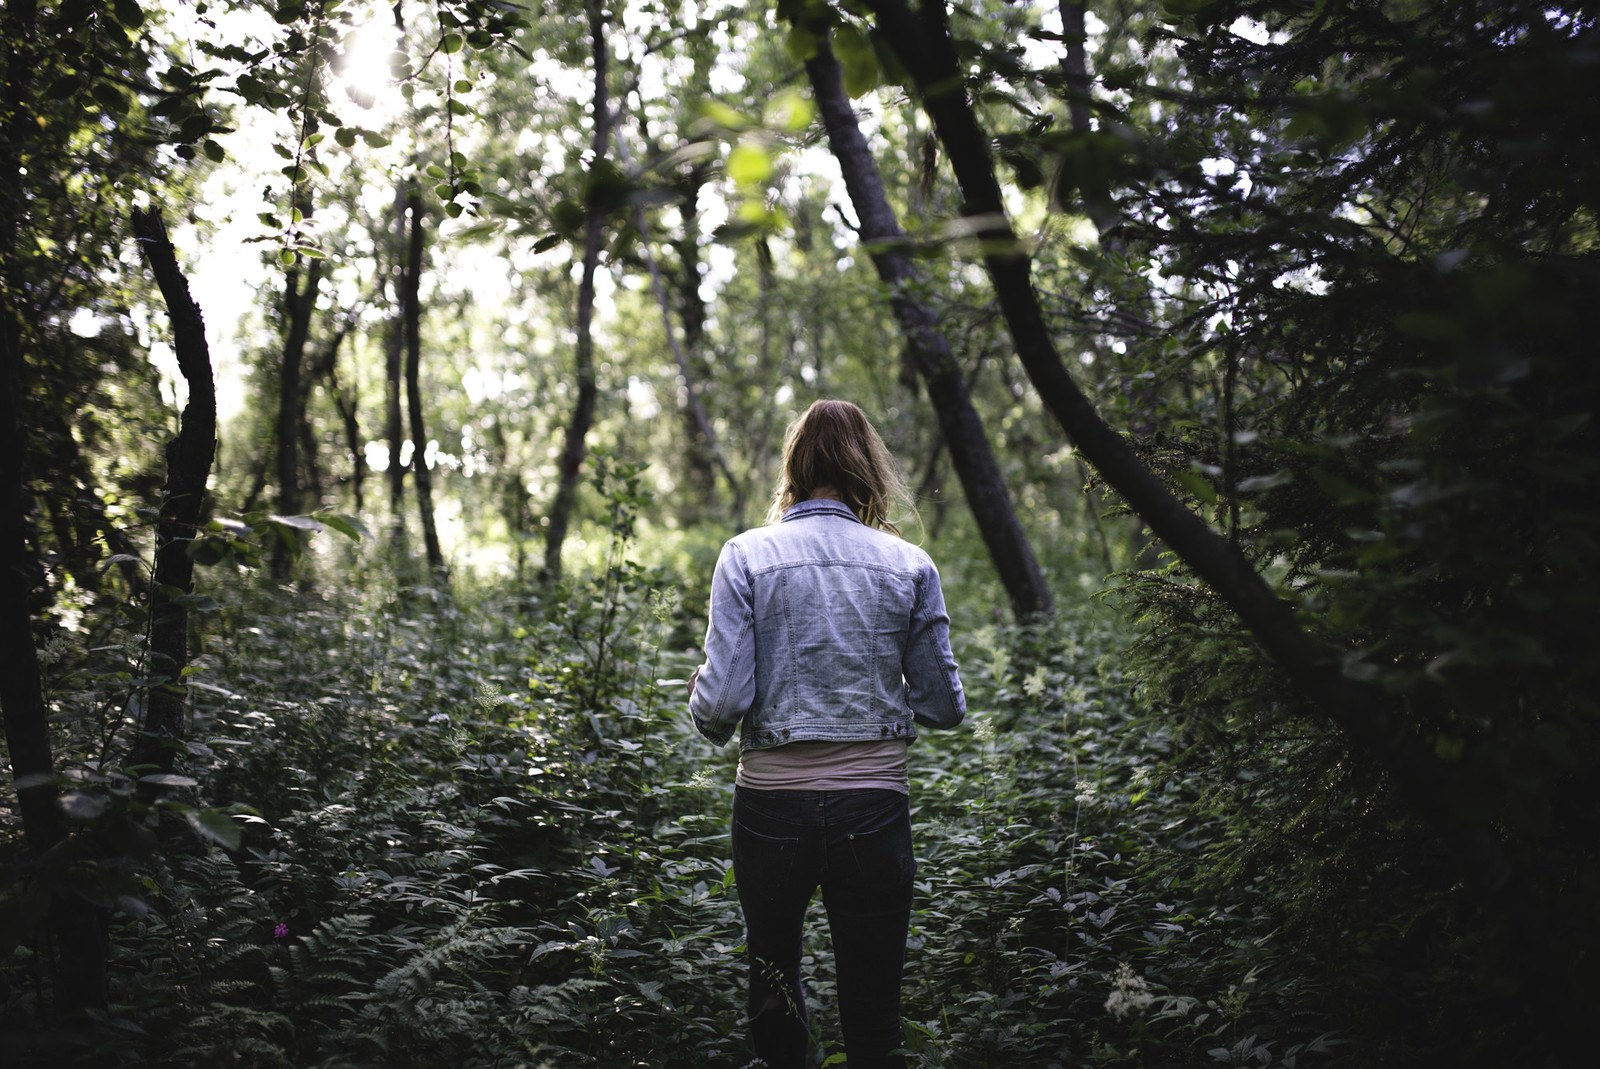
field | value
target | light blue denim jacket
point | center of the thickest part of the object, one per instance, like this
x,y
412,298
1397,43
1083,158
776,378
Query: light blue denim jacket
x,y
823,628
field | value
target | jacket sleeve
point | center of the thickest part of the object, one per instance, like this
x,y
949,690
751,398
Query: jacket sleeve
x,y
726,686
933,680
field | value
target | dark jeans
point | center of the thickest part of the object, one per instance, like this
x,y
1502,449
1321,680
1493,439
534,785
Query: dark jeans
x,y
856,846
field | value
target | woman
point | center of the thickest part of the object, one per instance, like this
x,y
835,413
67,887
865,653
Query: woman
x,y
828,642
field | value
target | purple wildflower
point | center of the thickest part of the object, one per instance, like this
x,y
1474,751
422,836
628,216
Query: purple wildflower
x,y
280,931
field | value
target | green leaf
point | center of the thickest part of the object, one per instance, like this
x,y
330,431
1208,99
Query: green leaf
x,y
800,43
451,43
749,164
215,825
349,526
299,523
169,779
790,111
1198,485
724,116
128,14
862,74
207,551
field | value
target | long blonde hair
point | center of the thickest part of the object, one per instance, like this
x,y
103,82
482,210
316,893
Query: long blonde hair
x,y
833,443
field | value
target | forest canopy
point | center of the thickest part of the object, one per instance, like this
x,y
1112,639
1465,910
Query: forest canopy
x,y
380,381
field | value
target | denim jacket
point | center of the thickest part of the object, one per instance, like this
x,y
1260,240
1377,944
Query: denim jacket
x,y
823,628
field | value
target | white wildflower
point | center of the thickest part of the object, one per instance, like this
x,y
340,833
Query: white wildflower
x,y
663,604
488,696
1000,664
1088,792
1130,995
1034,684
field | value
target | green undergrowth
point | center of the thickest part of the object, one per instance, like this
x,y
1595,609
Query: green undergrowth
x,y
477,830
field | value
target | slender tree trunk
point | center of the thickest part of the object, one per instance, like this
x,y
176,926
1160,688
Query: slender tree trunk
x,y
189,458
924,47
345,402
959,423
705,455
575,445
394,355
411,306
299,300
21,684
323,367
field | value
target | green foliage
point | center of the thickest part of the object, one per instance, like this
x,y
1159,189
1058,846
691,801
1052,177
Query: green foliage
x,y
481,840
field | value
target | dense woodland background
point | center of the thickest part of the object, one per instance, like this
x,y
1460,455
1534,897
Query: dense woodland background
x,y
1241,354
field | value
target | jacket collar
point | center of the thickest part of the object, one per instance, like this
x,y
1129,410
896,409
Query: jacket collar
x,y
816,507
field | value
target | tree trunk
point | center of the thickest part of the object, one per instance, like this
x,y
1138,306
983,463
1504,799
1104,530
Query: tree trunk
x,y
76,949
394,354
575,446
411,307
924,47
345,402
959,423
704,454
299,301
189,458
21,686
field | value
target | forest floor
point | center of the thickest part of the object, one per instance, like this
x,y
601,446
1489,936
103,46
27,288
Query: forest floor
x,y
479,831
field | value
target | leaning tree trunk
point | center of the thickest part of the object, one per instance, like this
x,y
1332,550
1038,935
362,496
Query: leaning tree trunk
x,y
189,458
411,307
959,423
927,52
575,445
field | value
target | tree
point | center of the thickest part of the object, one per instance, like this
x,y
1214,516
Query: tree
x,y
600,188
411,312
301,283
183,505
959,423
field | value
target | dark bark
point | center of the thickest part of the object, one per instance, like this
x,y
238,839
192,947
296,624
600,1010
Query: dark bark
x,y
21,686
76,954
189,457
575,445
924,47
344,400
704,454
394,355
299,301
959,423
1075,62
411,309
